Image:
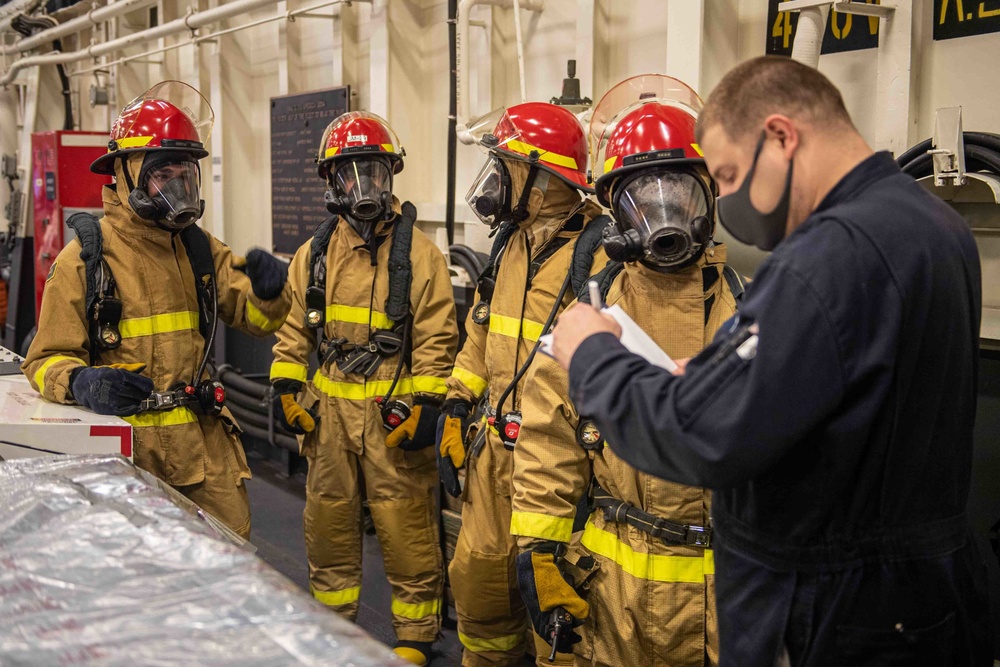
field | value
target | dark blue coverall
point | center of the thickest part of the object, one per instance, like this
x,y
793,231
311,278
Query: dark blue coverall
x,y
839,448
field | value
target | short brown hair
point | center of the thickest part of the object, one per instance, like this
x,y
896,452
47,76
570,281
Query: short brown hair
x,y
753,90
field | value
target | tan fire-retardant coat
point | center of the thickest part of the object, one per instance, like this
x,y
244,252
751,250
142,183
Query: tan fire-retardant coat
x,y
651,604
347,455
492,623
200,456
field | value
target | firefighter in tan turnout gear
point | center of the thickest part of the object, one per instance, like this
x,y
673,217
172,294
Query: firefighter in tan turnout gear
x,y
529,191
129,304
372,297
643,570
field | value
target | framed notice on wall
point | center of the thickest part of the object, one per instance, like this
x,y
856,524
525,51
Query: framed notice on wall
x,y
962,18
297,124
844,32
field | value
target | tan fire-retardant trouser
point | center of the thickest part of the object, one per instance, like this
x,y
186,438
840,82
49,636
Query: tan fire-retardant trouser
x,y
400,488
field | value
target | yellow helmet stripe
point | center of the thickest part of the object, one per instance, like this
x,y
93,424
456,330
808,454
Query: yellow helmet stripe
x,y
331,151
545,156
133,142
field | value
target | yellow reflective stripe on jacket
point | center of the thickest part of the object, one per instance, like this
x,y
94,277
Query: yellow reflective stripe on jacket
x,y
173,417
514,328
415,611
357,315
49,363
652,567
542,526
260,320
338,598
504,643
476,384
359,391
288,370
425,384
158,324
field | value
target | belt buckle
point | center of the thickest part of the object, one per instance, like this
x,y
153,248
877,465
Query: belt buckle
x,y
699,536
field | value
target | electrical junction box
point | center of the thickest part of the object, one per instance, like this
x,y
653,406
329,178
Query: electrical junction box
x,y
33,426
62,184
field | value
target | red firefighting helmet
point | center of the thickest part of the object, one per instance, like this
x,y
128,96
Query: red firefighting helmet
x,y
549,130
641,122
171,117
358,134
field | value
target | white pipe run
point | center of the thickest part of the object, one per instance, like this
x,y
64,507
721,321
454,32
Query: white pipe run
x,y
520,50
464,6
809,35
92,18
190,22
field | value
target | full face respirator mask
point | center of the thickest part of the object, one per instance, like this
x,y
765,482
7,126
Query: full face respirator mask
x,y
362,191
490,194
662,218
168,192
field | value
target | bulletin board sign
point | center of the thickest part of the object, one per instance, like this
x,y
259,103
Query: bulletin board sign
x,y
964,18
844,32
297,125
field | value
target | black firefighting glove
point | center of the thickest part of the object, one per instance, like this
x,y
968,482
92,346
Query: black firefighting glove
x,y
266,272
290,415
451,443
111,390
547,593
417,432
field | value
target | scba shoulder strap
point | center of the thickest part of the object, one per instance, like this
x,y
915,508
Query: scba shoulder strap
x,y
604,278
364,358
397,304
104,309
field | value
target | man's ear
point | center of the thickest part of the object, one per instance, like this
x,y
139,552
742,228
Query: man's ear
x,y
784,129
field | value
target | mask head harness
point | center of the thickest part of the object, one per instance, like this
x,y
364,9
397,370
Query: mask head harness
x,y
176,180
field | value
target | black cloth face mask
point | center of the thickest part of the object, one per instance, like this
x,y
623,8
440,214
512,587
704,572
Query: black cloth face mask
x,y
742,219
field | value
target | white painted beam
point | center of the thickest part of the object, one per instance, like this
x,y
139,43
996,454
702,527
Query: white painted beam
x,y
685,33
894,87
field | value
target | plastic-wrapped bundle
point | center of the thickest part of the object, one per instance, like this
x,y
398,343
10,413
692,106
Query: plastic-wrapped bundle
x,y
99,565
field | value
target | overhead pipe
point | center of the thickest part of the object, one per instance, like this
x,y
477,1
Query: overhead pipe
x,y
809,35
190,22
462,121
288,16
520,50
452,170
90,19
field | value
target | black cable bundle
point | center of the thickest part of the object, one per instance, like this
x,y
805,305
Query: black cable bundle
x,y
27,26
982,153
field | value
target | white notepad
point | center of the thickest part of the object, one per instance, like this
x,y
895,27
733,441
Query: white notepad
x,y
633,338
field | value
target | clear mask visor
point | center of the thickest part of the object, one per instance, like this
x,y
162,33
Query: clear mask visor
x,y
366,185
489,195
669,211
176,185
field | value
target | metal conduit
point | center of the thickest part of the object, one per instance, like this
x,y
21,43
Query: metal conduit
x,y
191,22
